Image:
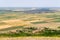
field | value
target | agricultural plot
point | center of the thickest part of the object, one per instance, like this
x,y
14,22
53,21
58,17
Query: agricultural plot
x,y
15,24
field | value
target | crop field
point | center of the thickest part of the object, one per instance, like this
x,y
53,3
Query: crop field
x,y
29,26
15,24
10,19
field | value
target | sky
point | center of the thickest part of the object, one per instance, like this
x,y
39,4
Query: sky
x,y
29,3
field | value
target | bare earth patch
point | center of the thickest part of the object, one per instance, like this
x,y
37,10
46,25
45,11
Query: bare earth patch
x,y
31,38
49,25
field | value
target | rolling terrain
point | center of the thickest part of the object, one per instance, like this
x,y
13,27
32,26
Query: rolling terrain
x,y
29,21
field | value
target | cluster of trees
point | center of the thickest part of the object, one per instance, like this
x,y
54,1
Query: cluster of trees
x,y
31,31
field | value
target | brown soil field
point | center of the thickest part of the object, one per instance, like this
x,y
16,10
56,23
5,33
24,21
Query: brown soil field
x,y
18,22
31,38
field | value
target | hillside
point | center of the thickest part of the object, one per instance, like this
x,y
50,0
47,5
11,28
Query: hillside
x,y
30,21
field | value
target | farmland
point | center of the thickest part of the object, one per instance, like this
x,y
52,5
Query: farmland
x,y
27,23
23,19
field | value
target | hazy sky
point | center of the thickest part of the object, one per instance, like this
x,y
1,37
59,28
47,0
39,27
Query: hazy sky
x,y
29,3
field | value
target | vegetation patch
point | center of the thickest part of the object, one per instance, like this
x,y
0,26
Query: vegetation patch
x,y
39,22
29,32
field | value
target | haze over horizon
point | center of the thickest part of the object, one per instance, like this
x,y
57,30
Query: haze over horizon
x,y
29,3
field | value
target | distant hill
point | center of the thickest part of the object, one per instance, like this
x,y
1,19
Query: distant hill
x,y
40,10
30,10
